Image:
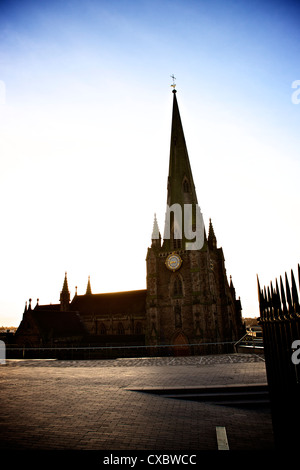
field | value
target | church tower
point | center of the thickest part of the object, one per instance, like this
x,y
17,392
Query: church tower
x,y
189,300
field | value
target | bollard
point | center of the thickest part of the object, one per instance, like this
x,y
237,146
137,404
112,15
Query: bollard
x,y
2,352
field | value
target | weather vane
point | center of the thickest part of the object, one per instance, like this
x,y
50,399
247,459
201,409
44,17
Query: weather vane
x,y
173,84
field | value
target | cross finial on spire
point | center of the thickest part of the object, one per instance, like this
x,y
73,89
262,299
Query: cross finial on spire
x,y
173,84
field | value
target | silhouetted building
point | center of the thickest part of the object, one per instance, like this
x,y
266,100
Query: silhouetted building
x,y
187,300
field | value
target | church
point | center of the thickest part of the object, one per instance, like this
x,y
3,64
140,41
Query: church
x,y
188,302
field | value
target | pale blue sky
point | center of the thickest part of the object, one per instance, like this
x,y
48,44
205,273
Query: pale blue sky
x,y
85,114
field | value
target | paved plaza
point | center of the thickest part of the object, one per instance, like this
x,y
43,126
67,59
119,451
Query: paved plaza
x,y
97,405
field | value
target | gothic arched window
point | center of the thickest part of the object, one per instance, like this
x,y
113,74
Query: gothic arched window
x,y
138,328
177,243
102,329
177,313
186,186
121,330
177,287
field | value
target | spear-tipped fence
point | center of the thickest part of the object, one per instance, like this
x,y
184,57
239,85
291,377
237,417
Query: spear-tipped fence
x,y
280,322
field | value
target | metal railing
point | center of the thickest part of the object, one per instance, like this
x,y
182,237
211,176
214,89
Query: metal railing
x,y
251,342
280,323
114,351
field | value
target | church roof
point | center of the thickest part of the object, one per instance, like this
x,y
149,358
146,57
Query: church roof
x,y
49,307
52,323
128,302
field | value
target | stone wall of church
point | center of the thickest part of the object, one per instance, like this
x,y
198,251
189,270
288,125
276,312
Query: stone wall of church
x,y
114,325
194,302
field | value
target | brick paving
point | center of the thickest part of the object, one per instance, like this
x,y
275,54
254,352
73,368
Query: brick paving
x,y
90,405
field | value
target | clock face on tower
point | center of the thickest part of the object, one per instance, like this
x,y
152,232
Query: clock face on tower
x,y
173,262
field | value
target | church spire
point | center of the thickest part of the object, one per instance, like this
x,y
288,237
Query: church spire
x,y
88,287
156,237
65,296
212,240
181,189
